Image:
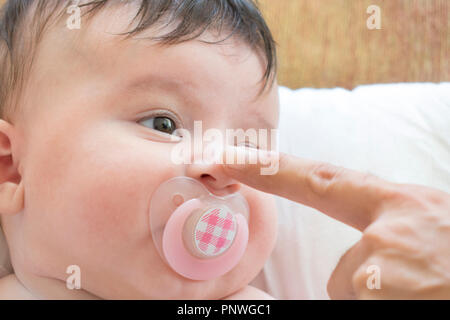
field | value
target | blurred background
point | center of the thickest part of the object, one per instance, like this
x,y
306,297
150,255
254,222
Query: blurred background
x,y
326,43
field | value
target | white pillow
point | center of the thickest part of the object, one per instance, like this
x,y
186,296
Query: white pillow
x,y
400,132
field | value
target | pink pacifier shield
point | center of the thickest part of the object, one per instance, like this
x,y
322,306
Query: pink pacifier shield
x,y
199,235
215,231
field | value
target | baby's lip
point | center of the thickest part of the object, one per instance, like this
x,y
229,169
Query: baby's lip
x,y
223,192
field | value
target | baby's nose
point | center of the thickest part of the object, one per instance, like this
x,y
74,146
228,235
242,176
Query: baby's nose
x,y
213,177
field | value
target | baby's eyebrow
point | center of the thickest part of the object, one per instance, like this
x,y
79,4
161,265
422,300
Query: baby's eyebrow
x,y
177,87
183,90
157,80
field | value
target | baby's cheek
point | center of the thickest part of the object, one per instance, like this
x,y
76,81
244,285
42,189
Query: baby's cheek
x,y
262,234
94,206
263,216
113,197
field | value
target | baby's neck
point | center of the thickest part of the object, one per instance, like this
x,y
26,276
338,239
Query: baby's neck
x,y
11,288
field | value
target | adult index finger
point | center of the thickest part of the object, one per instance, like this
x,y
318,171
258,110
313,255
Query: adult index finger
x,y
346,195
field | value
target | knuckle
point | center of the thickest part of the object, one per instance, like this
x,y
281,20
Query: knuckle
x,y
322,178
376,235
393,234
435,197
399,197
392,193
371,236
406,195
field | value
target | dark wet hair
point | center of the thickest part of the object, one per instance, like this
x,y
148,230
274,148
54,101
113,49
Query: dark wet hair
x,y
23,22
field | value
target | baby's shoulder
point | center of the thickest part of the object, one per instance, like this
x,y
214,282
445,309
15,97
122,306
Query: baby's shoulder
x,y
12,289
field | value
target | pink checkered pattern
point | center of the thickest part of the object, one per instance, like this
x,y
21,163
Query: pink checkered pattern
x,y
215,231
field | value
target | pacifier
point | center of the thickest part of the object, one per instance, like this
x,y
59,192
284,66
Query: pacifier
x,y
201,236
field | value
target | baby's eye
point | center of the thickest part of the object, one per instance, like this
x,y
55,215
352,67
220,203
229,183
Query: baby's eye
x,y
163,124
247,144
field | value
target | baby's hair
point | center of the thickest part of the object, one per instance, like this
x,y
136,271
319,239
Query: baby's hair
x,y
23,22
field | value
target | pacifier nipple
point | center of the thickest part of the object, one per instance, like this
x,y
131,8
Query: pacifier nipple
x,y
201,236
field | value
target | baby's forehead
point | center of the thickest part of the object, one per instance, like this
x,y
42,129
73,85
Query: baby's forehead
x,y
197,71
116,24
203,76
113,35
97,57
107,35
100,44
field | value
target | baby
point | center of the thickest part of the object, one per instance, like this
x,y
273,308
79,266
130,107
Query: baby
x,y
88,106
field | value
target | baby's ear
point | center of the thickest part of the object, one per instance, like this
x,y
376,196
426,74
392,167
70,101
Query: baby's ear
x,y
11,187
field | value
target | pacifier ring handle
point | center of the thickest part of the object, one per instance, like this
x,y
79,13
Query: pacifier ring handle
x,y
193,267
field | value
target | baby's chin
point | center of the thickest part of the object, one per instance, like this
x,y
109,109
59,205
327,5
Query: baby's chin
x,y
221,287
168,285
261,240
171,285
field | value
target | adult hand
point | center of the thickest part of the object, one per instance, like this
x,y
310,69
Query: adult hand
x,y
405,228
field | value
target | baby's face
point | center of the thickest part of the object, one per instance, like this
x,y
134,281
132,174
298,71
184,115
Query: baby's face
x,y
89,165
